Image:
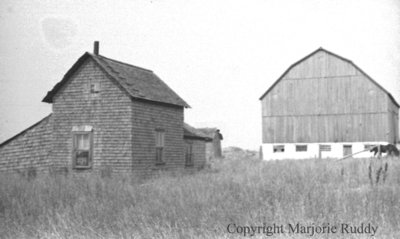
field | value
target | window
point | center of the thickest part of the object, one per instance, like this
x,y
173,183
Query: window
x,y
301,148
347,150
82,149
324,147
94,87
160,135
368,146
279,148
189,154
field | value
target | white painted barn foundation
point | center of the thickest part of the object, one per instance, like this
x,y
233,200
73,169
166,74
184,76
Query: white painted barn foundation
x,y
316,150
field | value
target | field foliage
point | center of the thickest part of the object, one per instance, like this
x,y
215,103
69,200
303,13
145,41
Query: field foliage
x,y
238,189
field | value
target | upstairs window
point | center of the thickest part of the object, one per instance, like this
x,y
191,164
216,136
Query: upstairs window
x,y
82,150
160,137
94,88
279,148
189,154
301,148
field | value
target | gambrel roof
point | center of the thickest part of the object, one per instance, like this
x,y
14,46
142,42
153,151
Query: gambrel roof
x,y
334,55
137,82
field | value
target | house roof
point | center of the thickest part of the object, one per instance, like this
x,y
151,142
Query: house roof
x,y
210,132
337,56
191,132
44,120
137,82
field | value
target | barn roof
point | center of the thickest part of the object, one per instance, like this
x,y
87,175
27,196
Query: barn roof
x,y
191,132
337,56
137,82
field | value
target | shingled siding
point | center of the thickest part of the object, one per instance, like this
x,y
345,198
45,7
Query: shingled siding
x,y
198,153
109,113
146,118
29,149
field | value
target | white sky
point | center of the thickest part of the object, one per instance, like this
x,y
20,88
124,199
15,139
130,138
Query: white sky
x,y
220,56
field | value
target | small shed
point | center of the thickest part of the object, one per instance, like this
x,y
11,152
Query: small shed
x,y
213,147
195,146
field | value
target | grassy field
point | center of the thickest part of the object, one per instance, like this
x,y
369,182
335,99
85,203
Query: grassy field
x,y
237,191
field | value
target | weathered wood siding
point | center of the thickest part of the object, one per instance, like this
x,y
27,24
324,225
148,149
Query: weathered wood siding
x,y
198,153
324,99
29,149
393,121
146,118
110,114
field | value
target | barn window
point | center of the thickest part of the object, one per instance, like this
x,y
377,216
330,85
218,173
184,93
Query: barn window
x,y
189,154
82,149
347,150
160,135
301,148
324,147
368,146
279,148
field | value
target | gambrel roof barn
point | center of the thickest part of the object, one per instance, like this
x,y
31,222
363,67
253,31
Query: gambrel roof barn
x,y
325,101
108,115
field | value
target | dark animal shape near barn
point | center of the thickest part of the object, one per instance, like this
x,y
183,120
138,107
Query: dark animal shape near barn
x,y
390,149
108,115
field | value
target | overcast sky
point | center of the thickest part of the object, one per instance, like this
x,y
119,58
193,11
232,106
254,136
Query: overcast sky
x,y
219,56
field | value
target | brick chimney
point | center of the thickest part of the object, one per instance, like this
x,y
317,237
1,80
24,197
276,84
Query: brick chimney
x,y
96,48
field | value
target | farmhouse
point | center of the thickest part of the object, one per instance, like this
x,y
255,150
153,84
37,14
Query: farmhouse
x,y
326,106
111,115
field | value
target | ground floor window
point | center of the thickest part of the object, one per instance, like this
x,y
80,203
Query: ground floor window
x,y
279,148
301,148
325,147
82,150
347,149
160,138
189,154
368,146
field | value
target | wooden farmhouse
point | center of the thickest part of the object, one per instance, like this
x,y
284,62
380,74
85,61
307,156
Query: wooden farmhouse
x,y
325,106
111,115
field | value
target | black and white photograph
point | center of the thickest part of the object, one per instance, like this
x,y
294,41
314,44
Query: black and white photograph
x,y
199,119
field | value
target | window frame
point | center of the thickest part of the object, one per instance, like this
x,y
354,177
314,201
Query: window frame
x,y
301,146
189,156
75,149
279,148
159,146
325,148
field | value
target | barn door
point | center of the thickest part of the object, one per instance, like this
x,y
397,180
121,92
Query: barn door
x,y
347,150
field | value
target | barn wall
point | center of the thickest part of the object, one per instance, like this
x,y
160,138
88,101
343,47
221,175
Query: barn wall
x,y
109,113
29,149
393,121
313,150
324,99
146,118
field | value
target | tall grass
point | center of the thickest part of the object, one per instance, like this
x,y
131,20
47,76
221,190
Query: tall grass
x,y
202,205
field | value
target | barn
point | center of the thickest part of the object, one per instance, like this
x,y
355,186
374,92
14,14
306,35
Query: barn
x,y
108,115
324,105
